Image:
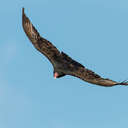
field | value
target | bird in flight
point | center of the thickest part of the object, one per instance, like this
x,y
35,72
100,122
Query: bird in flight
x,y
62,63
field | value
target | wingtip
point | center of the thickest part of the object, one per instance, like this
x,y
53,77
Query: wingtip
x,y
125,82
23,10
23,16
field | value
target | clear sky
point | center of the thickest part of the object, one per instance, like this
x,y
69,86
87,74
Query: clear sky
x,y
93,32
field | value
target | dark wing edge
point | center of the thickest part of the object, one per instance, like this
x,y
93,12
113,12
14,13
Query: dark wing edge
x,y
40,43
91,77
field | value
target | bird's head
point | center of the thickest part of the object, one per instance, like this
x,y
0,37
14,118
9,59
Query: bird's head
x,y
58,74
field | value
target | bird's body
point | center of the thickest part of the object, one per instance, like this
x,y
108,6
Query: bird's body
x,y
62,63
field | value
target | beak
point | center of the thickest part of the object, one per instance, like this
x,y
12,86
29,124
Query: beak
x,y
55,75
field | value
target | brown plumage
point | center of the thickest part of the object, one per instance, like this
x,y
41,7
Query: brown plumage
x,y
62,63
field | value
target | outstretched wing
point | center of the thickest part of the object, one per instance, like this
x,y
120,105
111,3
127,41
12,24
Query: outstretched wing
x,y
91,77
78,70
41,44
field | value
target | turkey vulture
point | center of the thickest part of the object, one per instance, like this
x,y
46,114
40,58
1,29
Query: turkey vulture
x,y
62,63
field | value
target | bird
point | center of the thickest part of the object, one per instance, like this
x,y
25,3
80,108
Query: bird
x,y
63,64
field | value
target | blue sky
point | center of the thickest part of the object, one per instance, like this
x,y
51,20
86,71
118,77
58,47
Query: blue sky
x,y
93,32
